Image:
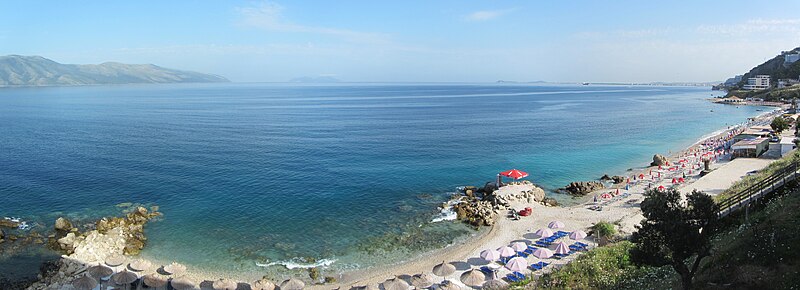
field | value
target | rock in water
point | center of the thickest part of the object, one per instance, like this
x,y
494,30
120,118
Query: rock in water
x,y
659,160
605,177
583,187
4,223
63,224
618,179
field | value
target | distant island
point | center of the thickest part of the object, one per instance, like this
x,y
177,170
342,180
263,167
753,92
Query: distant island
x,y
318,79
18,70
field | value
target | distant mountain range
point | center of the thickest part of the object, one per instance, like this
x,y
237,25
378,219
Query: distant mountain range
x,y
17,70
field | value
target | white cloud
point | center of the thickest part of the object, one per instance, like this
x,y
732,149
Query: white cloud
x,y
484,15
753,26
269,16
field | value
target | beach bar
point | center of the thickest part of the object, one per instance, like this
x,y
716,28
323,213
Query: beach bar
x,y
750,148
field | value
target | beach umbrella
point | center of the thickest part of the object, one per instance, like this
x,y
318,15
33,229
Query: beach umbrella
x,y
562,248
115,260
174,269
393,284
506,251
154,280
422,280
605,195
517,264
444,269
641,175
495,285
490,255
514,173
182,283
124,277
99,271
84,283
660,187
543,253
556,225
519,246
225,284
263,284
139,265
577,235
449,285
681,180
292,284
473,277
544,232
366,287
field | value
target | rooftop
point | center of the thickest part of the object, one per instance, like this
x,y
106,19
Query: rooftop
x,y
750,142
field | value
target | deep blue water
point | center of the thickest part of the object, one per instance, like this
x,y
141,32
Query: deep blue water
x,y
248,173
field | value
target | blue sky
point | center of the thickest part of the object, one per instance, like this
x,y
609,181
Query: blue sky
x,y
432,41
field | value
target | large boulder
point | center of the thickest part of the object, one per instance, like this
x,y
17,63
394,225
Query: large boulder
x,y
583,187
659,160
63,224
618,179
4,223
2,234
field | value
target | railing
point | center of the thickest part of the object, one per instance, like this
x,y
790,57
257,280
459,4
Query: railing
x,y
767,185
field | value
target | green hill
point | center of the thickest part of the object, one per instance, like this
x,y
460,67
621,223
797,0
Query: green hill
x,y
17,70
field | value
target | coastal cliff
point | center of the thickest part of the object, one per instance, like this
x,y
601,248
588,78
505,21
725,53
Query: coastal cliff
x,y
17,70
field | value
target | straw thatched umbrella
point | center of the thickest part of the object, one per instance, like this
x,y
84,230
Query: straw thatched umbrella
x,y
84,283
422,280
155,280
124,278
115,260
473,277
99,271
449,285
292,284
394,284
366,287
263,284
139,265
495,285
444,269
182,283
224,284
175,269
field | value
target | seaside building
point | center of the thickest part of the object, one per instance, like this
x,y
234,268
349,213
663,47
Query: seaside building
x,y
750,148
753,133
787,145
760,82
732,100
782,83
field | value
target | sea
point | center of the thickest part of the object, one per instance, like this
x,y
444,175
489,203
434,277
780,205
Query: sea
x,y
273,178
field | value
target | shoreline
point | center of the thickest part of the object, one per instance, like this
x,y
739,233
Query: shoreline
x,y
503,232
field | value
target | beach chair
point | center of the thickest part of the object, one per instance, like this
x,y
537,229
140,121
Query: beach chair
x,y
519,275
522,254
582,244
529,251
562,233
511,278
536,266
487,270
532,248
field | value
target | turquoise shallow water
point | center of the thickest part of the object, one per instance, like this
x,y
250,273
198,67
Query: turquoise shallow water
x,y
258,173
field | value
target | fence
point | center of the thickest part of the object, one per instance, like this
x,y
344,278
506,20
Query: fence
x,y
767,185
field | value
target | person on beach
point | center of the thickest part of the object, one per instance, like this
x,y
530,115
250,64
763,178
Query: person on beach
x,y
595,198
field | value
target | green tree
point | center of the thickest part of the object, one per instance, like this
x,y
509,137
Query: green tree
x,y
674,231
604,231
779,124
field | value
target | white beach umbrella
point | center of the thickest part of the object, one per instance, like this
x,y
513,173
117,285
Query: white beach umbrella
x,y
490,255
473,277
577,235
556,225
519,246
224,284
506,251
517,264
444,269
562,248
543,253
544,232
292,284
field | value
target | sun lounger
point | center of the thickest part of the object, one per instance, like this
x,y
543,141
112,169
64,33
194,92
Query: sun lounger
x,y
528,251
522,254
511,278
536,266
582,244
487,270
519,275
562,233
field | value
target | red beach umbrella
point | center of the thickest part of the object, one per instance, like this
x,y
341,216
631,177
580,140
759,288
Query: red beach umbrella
x,y
674,181
514,173
605,195
661,187
641,175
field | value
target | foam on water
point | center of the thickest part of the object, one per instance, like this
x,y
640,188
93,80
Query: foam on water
x,y
298,264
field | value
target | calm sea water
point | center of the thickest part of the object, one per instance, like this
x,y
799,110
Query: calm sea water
x,y
259,173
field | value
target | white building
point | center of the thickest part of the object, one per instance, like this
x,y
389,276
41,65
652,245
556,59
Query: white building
x,y
790,58
787,145
760,82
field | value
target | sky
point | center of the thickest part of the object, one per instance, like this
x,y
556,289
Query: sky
x,y
412,41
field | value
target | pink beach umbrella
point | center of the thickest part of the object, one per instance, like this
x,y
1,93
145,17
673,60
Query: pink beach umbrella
x,y
577,235
543,253
562,248
506,251
517,264
556,225
544,232
490,255
519,246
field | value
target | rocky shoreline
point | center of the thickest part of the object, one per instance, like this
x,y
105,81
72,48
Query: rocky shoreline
x,y
79,249
481,206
